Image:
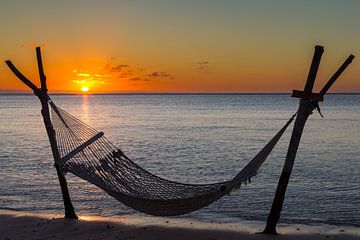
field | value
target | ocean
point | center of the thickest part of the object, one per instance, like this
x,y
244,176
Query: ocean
x,y
194,139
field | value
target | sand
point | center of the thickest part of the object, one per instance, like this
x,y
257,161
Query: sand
x,y
26,225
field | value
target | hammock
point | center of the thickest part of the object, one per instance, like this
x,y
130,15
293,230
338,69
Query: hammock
x,y
88,154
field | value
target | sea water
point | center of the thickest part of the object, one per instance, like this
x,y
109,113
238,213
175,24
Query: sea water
x,y
194,139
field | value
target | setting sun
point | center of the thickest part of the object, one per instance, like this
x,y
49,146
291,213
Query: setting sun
x,y
85,89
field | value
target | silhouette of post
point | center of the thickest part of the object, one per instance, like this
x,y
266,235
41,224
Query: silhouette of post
x,y
309,101
41,93
69,208
303,113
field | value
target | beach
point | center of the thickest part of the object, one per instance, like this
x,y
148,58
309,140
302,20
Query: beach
x,y
226,118
27,225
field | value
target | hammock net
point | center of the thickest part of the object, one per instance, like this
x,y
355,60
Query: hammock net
x,y
88,154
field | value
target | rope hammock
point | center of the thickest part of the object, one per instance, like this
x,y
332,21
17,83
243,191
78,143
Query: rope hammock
x,y
88,154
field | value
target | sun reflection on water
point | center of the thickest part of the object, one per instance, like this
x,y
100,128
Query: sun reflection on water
x,y
85,108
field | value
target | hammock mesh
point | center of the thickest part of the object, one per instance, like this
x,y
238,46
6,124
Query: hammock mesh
x,y
88,154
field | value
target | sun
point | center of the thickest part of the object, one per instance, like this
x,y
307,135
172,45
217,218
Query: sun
x,y
84,89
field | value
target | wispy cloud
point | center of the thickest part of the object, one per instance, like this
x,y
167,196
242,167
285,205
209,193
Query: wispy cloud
x,y
89,81
86,78
139,79
78,81
202,65
99,75
117,68
159,75
83,74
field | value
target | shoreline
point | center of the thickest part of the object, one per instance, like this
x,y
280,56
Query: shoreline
x,y
28,225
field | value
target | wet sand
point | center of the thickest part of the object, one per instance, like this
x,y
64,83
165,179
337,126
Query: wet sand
x,y
26,225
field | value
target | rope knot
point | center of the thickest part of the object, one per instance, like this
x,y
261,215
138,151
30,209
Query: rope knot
x,y
311,106
308,105
317,107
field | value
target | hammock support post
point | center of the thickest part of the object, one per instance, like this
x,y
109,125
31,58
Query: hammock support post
x,y
308,102
41,93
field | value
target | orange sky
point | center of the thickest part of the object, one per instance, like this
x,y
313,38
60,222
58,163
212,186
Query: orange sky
x,y
113,47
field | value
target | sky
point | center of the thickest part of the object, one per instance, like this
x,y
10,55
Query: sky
x,y
185,46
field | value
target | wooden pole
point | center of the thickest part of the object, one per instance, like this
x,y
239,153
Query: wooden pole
x,y
43,97
303,114
69,208
307,104
336,75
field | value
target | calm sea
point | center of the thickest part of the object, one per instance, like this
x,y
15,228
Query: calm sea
x,y
193,139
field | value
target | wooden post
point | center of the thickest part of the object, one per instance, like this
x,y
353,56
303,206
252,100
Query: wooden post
x,y
43,97
69,208
303,113
307,104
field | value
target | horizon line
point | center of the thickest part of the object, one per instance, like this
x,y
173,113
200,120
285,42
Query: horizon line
x,y
167,93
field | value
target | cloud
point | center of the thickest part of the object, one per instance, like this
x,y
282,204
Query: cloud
x,y
88,81
118,68
83,74
78,81
159,75
126,74
99,75
202,65
139,79
107,66
154,74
